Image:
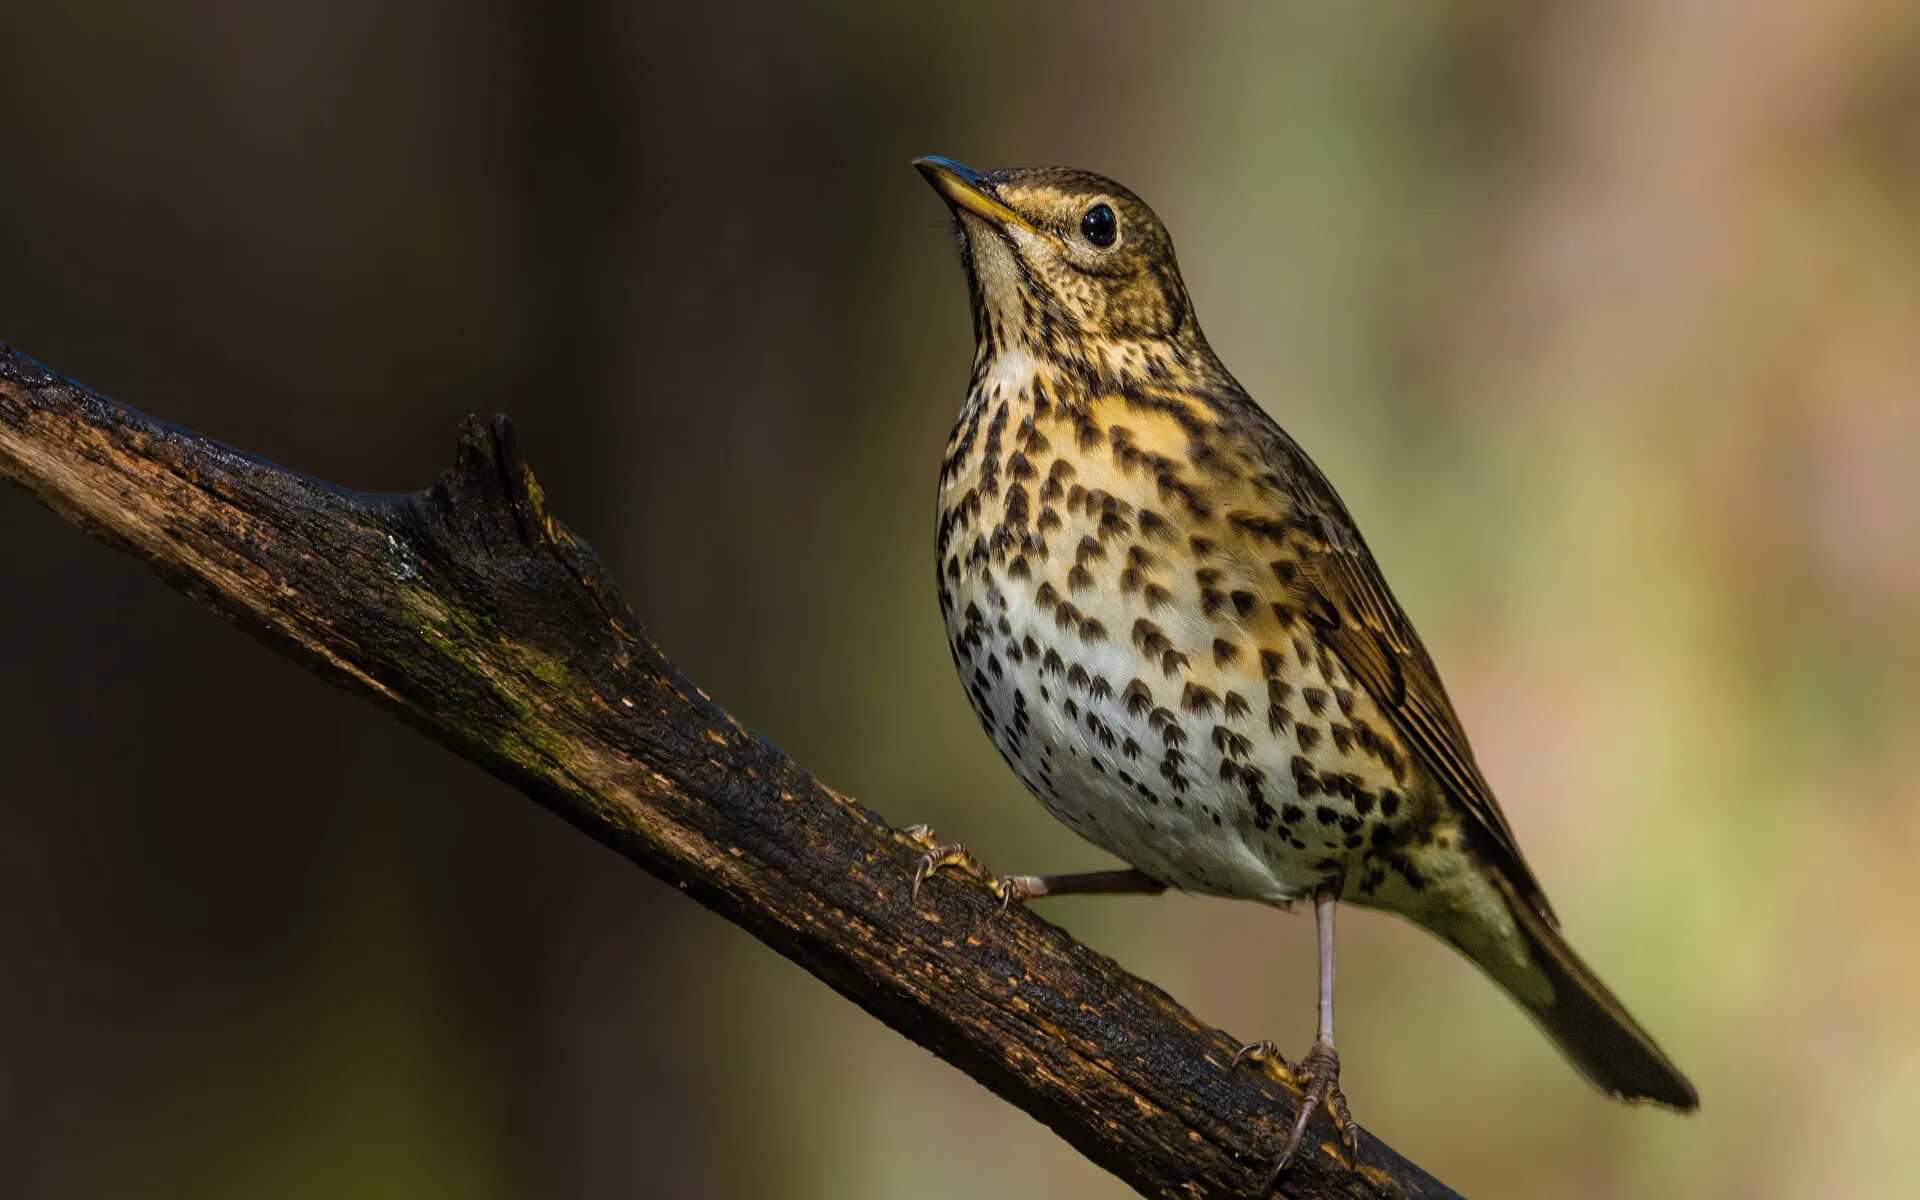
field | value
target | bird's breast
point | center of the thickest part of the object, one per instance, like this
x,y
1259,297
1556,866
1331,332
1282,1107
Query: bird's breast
x,y
1138,664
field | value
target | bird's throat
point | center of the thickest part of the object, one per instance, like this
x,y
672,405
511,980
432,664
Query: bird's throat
x,y
1086,366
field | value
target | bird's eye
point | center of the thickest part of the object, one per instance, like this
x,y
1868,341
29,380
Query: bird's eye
x,y
1098,226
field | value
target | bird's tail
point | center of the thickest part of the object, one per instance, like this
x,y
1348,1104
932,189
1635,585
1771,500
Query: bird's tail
x,y
1535,966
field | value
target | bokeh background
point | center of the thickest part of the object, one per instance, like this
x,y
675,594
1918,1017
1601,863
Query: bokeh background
x,y
1605,318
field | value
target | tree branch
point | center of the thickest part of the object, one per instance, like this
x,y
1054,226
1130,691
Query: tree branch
x,y
473,614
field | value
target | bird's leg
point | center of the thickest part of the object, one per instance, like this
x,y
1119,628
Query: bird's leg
x,y
941,855
1087,883
1318,1074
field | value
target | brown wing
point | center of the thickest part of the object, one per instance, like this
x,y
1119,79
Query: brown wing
x,y
1361,623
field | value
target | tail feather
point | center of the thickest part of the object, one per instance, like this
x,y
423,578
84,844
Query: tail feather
x,y
1589,1025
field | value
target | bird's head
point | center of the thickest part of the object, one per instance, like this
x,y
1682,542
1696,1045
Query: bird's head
x,y
1064,263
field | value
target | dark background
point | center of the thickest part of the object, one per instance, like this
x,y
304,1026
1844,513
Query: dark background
x,y
1605,318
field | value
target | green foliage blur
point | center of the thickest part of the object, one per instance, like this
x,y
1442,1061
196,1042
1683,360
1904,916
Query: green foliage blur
x,y
1604,318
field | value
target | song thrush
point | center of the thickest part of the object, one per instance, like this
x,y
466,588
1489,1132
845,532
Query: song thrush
x,y
1177,638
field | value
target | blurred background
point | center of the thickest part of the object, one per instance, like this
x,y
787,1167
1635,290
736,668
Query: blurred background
x,y
1605,319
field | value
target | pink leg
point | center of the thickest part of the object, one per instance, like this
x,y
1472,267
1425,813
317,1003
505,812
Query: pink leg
x,y
1318,1075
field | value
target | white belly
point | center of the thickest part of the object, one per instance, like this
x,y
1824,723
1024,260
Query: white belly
x,y
1098,765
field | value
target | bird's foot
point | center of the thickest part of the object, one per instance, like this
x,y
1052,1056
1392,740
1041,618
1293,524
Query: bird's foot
x,y
1317,1078
1019,887
943,855
1265,1055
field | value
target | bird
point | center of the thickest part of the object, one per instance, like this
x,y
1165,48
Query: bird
x,y
1170,626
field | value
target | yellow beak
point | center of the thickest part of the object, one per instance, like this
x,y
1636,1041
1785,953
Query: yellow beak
x,y
965,189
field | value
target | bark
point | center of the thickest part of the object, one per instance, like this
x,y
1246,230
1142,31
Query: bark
x,y
474,615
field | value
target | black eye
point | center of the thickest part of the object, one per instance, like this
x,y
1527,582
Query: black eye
x,y
1098,226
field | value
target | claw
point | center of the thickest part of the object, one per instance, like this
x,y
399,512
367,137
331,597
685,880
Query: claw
x,y
1260,1052
1018,887
1321,1069
1265,1054
1317,1078
1343,1121
939,855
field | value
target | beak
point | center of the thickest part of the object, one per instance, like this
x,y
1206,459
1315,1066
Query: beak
x,y
967,190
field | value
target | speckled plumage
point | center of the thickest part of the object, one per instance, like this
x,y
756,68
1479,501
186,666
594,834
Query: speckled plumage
x,y
1144,660
1171,628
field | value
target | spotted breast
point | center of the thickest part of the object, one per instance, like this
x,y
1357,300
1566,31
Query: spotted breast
x,y
1119,610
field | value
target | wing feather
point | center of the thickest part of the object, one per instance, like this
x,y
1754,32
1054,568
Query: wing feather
x,y
1356,616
